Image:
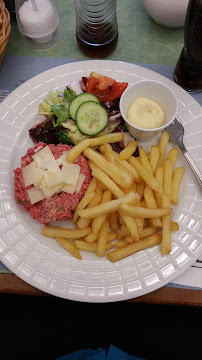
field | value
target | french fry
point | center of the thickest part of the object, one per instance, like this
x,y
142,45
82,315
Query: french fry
x,y
111,236
111,170
174,226
146,175
97,198
102,238
109,154
131,225
125,191
167,177
79,148
129,239
163,142
128,151
148,155
109,138
102,149
91,247
90,238
166,233
144,159
55,231
140,212
124,169
109,183
140,221
172,155
93,166
101,186
140,189
126,165
69,246
120,243
159,178
133,187
147,231
83,223
82,204
151,204
92,186
176,180
129,249
123,231
154,157
108,207
114,221
86,246
99,220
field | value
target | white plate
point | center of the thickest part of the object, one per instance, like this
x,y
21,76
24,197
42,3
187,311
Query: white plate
x,y
40,261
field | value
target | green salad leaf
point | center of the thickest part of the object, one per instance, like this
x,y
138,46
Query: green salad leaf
x,y
69,95
63,136
123,127
61,112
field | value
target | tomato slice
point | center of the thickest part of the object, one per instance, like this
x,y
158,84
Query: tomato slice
x,y
115,92
105,88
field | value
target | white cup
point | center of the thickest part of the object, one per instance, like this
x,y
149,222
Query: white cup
x,y
155,91
167,13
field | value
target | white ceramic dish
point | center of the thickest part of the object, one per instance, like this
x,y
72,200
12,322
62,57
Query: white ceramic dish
x,y
156,91
40,261
169,14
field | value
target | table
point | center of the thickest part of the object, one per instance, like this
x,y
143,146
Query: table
x,y
141,41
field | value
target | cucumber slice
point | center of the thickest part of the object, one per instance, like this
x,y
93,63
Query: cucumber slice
x,y
78,100
91,118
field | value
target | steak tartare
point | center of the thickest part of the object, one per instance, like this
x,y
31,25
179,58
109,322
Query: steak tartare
x,y
61,205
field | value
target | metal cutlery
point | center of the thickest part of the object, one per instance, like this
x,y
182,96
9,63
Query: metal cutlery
x,y
176,133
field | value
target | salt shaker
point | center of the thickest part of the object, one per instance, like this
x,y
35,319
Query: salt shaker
x,y
37,22
96,27
188,71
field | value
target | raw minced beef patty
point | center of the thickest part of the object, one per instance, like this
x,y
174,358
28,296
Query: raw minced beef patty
x,y
59,206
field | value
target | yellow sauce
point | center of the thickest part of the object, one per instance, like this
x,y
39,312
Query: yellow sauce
x,y
145,113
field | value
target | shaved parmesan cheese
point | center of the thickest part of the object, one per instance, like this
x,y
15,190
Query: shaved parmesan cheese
x,y
40,177
50,164
50,191
53,179
50,176
79,183
42,183
70,173
45,160
62,159
35,195
70,189
30,174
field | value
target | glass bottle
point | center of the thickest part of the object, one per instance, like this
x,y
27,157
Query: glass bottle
x,y
96,27
188,71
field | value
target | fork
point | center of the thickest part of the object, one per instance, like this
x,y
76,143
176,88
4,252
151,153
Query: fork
x,y
176,133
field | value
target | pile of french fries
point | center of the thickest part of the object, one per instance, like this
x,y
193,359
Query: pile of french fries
x,y
127,205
